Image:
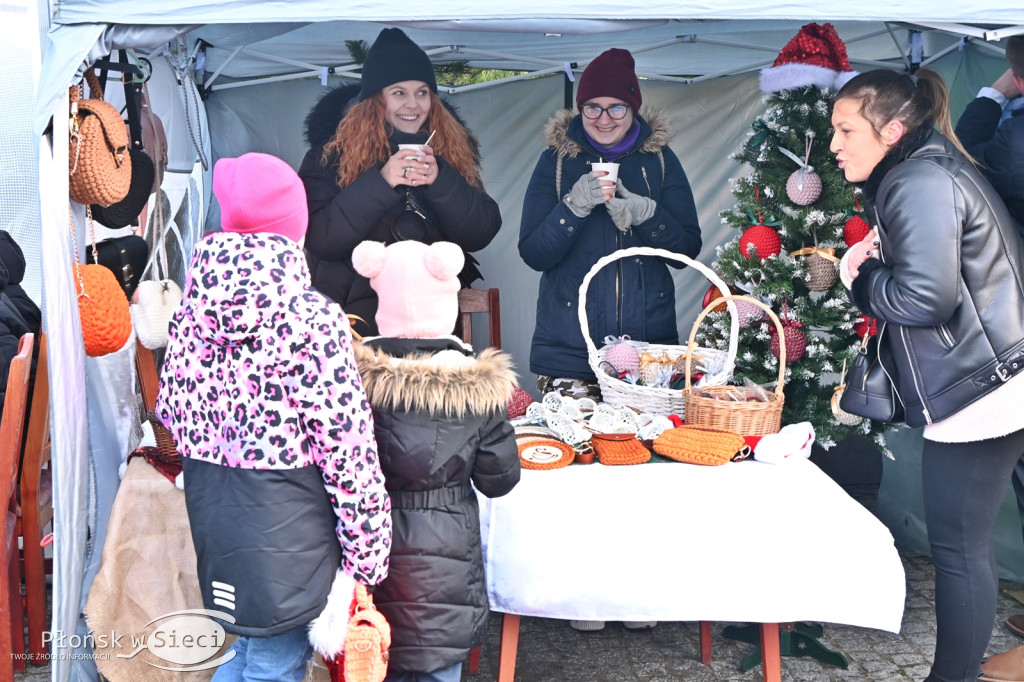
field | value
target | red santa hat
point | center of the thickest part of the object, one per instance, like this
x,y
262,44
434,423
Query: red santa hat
x,y
815,56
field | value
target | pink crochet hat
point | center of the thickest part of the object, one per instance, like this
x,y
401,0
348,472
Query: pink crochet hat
x,y
260,193
417,286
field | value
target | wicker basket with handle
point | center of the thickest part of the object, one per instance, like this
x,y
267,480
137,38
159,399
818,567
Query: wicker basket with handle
x,y
650,399
713,405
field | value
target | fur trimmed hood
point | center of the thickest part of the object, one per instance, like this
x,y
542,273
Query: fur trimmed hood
x,y
556,132
447,382
323,119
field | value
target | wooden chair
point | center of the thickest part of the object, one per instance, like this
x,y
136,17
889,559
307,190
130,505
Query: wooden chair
x,y
12,427
472,302
484,301
36,488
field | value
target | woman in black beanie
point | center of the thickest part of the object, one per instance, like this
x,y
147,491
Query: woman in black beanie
x,y
360,187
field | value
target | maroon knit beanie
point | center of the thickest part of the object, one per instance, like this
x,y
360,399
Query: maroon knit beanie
x,y
611,74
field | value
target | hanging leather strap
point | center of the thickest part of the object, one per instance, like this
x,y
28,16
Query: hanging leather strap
x,y
132,102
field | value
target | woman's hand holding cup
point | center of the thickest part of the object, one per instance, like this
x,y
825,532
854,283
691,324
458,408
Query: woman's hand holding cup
x,y
608,175
412,164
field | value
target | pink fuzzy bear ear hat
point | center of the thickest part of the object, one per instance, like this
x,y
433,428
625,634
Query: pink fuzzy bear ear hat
x,y
417,285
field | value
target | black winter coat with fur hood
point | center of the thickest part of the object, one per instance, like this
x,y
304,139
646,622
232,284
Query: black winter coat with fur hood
x,y
339,219
441,421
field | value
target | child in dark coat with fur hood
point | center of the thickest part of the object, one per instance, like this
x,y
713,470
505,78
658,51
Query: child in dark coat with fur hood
x,y
441,421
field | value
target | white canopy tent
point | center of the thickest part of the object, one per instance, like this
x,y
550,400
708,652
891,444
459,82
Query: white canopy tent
x,y
262,65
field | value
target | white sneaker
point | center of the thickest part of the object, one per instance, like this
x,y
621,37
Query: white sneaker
x,y
639,624
587,625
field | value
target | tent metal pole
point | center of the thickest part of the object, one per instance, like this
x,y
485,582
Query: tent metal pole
x,y
503,55
962,30
730,72
941,53
281,60
874,62
865,36
992,48
223,66
509,79
275,79
729,43
899,48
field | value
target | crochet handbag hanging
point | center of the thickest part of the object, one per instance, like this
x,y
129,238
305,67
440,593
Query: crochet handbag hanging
x,y
366,644
102,305
100,167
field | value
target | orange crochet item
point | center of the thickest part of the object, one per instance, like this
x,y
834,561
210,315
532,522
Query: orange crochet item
x,y
545,453
103,308
699,444
616,449
367,643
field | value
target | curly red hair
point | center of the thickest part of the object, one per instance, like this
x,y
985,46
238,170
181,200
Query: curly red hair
x,y
366,133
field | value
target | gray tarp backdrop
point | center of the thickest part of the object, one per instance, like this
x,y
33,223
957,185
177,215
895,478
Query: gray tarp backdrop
x,y
699,63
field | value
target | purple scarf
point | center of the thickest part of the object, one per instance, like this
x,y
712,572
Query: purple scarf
x,y
624,145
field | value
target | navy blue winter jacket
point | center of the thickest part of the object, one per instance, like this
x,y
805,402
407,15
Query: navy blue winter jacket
x,y
634,296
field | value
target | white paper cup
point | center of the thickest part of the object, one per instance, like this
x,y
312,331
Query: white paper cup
x,y
418,148
613,175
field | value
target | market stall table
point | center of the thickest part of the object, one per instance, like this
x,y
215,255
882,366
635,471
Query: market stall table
x,y
742,542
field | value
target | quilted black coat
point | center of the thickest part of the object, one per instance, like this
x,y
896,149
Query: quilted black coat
x,y
441,421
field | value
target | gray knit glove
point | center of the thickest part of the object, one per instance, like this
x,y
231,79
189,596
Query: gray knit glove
x,y
584,196
628,209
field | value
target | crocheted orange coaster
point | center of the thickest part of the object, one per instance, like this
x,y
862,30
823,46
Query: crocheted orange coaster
x,y
699,444
619,448
545,454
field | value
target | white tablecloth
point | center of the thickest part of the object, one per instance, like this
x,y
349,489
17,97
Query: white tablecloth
x,y
743,542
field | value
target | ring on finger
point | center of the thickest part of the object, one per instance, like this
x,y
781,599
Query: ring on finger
x,y
405,172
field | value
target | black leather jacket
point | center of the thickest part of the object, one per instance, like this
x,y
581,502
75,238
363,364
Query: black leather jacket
x,y
950,281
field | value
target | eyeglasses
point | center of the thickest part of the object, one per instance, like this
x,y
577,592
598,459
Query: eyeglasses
x,y
615,112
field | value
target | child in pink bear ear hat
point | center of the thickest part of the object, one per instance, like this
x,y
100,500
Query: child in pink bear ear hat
x,y
440,415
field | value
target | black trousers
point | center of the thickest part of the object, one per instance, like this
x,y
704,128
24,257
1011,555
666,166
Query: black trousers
x,y
963,488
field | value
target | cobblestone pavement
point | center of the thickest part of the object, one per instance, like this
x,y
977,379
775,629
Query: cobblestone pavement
x,y
551,651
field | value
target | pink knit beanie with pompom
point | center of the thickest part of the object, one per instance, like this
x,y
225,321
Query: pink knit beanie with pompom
x,y
417,286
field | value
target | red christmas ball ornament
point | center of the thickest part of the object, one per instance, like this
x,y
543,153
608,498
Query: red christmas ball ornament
x,y
867,325
793,337
803,187
855,229
765,240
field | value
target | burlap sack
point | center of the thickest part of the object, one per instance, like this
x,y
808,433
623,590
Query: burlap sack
x,y
148,569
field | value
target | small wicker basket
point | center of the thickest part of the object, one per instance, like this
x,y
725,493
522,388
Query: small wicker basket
x,y
165,442
653,400
748,418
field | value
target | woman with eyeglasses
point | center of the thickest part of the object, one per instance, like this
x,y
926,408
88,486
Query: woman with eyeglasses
x,y
360,186
572,217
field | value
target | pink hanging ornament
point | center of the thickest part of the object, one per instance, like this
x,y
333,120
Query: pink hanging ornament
x,y
804,185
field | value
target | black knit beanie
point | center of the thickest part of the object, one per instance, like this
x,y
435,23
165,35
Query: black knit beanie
x,y
394,58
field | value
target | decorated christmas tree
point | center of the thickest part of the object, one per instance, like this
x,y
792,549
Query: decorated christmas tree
x,y
795,215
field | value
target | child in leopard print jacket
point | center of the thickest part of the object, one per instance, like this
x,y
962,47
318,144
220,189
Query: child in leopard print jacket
x,y
283,486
